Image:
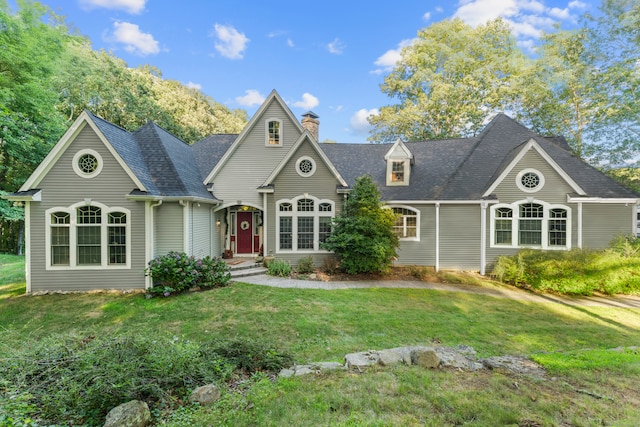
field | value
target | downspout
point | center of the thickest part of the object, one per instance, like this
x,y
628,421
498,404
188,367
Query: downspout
x,y
483,237
580,225
27,244
150,237
186,237
437,266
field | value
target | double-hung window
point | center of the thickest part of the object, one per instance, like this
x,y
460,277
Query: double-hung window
x,y
303,223
88,236
531,224
406,224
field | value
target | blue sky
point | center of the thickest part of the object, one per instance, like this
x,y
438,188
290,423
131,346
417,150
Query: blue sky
x,y
326,56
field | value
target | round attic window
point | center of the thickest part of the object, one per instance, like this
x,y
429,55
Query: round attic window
x,y
305,166
87,163
530,180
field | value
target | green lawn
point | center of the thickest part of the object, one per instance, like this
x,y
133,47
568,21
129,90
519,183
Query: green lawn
x,y
317,325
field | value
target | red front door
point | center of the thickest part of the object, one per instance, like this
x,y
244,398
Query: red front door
x,y
245,233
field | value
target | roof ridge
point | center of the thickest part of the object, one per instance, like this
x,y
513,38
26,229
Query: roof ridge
x,y
461,165
107,121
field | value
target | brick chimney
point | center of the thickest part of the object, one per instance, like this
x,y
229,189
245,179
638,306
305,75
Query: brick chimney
x,y
311,123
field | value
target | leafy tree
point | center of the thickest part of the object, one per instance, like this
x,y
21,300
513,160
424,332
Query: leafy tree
x,y
449,81
362,235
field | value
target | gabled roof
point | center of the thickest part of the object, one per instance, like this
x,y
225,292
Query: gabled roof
x,y
158,163
104,130
273,97
308,138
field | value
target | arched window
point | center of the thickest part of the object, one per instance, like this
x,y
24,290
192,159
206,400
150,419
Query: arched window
x,y
273,133
88,236
531,224
303,223
406,226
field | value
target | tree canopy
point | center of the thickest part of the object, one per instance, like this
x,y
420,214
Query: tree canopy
x,y
582,84
49,75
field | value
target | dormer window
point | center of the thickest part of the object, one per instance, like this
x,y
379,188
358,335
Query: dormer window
x,y
274,133
397,171
399,160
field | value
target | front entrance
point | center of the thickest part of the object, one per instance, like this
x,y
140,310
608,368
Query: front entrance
x,y
244,238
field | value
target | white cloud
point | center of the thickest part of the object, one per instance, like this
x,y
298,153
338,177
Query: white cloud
x,y
252,97
558,13
426,16
308,102
577,4
134,40
359,123
131,6
527,18
290,43
336,46
231,43
192,85
388,60
439,9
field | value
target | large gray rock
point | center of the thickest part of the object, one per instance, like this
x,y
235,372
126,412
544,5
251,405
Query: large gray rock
x,y
514,364
205,395
131,414
361,360
395,356
312,368
425,357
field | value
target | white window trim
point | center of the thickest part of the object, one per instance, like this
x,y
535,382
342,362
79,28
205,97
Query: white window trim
x,y
515,208
526,189
294,214
407,171
266,132
417,212
79,172
313,166
104,230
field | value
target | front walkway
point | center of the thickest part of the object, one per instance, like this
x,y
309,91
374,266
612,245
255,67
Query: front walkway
x,y
504,291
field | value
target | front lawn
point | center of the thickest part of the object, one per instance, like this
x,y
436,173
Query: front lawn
x,y
318,325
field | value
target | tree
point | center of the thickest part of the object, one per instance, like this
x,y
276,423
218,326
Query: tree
x,y
362,234
449,81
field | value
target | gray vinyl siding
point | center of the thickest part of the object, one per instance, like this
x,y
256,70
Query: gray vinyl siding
x,y
61,187
288,184
252,162
217,242
421,252
601,223
555,188
460,237
201,231
169,228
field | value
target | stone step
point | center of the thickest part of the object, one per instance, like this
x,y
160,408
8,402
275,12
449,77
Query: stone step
x,y
251,271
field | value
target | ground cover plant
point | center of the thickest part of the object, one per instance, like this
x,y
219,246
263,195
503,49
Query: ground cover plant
x,y
615,270
318,325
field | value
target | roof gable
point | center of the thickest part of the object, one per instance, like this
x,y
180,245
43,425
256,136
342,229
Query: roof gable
x,y
273,97
98,125
532,144
305,138
399,151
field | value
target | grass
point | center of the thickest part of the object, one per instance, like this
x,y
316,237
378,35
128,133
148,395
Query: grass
x,y
317,325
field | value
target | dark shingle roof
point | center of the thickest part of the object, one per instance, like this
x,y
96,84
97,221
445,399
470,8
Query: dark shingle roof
x,y
209,151
163,163
464,169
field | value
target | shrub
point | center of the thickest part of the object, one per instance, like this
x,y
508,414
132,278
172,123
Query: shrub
x,y
250,355
279,267
74,380
331,265
176,272
362,235
575,272
306,265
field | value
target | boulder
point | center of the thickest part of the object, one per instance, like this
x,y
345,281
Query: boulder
x,y
425,357
131,414
205,395
362,359
515,364
394,356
